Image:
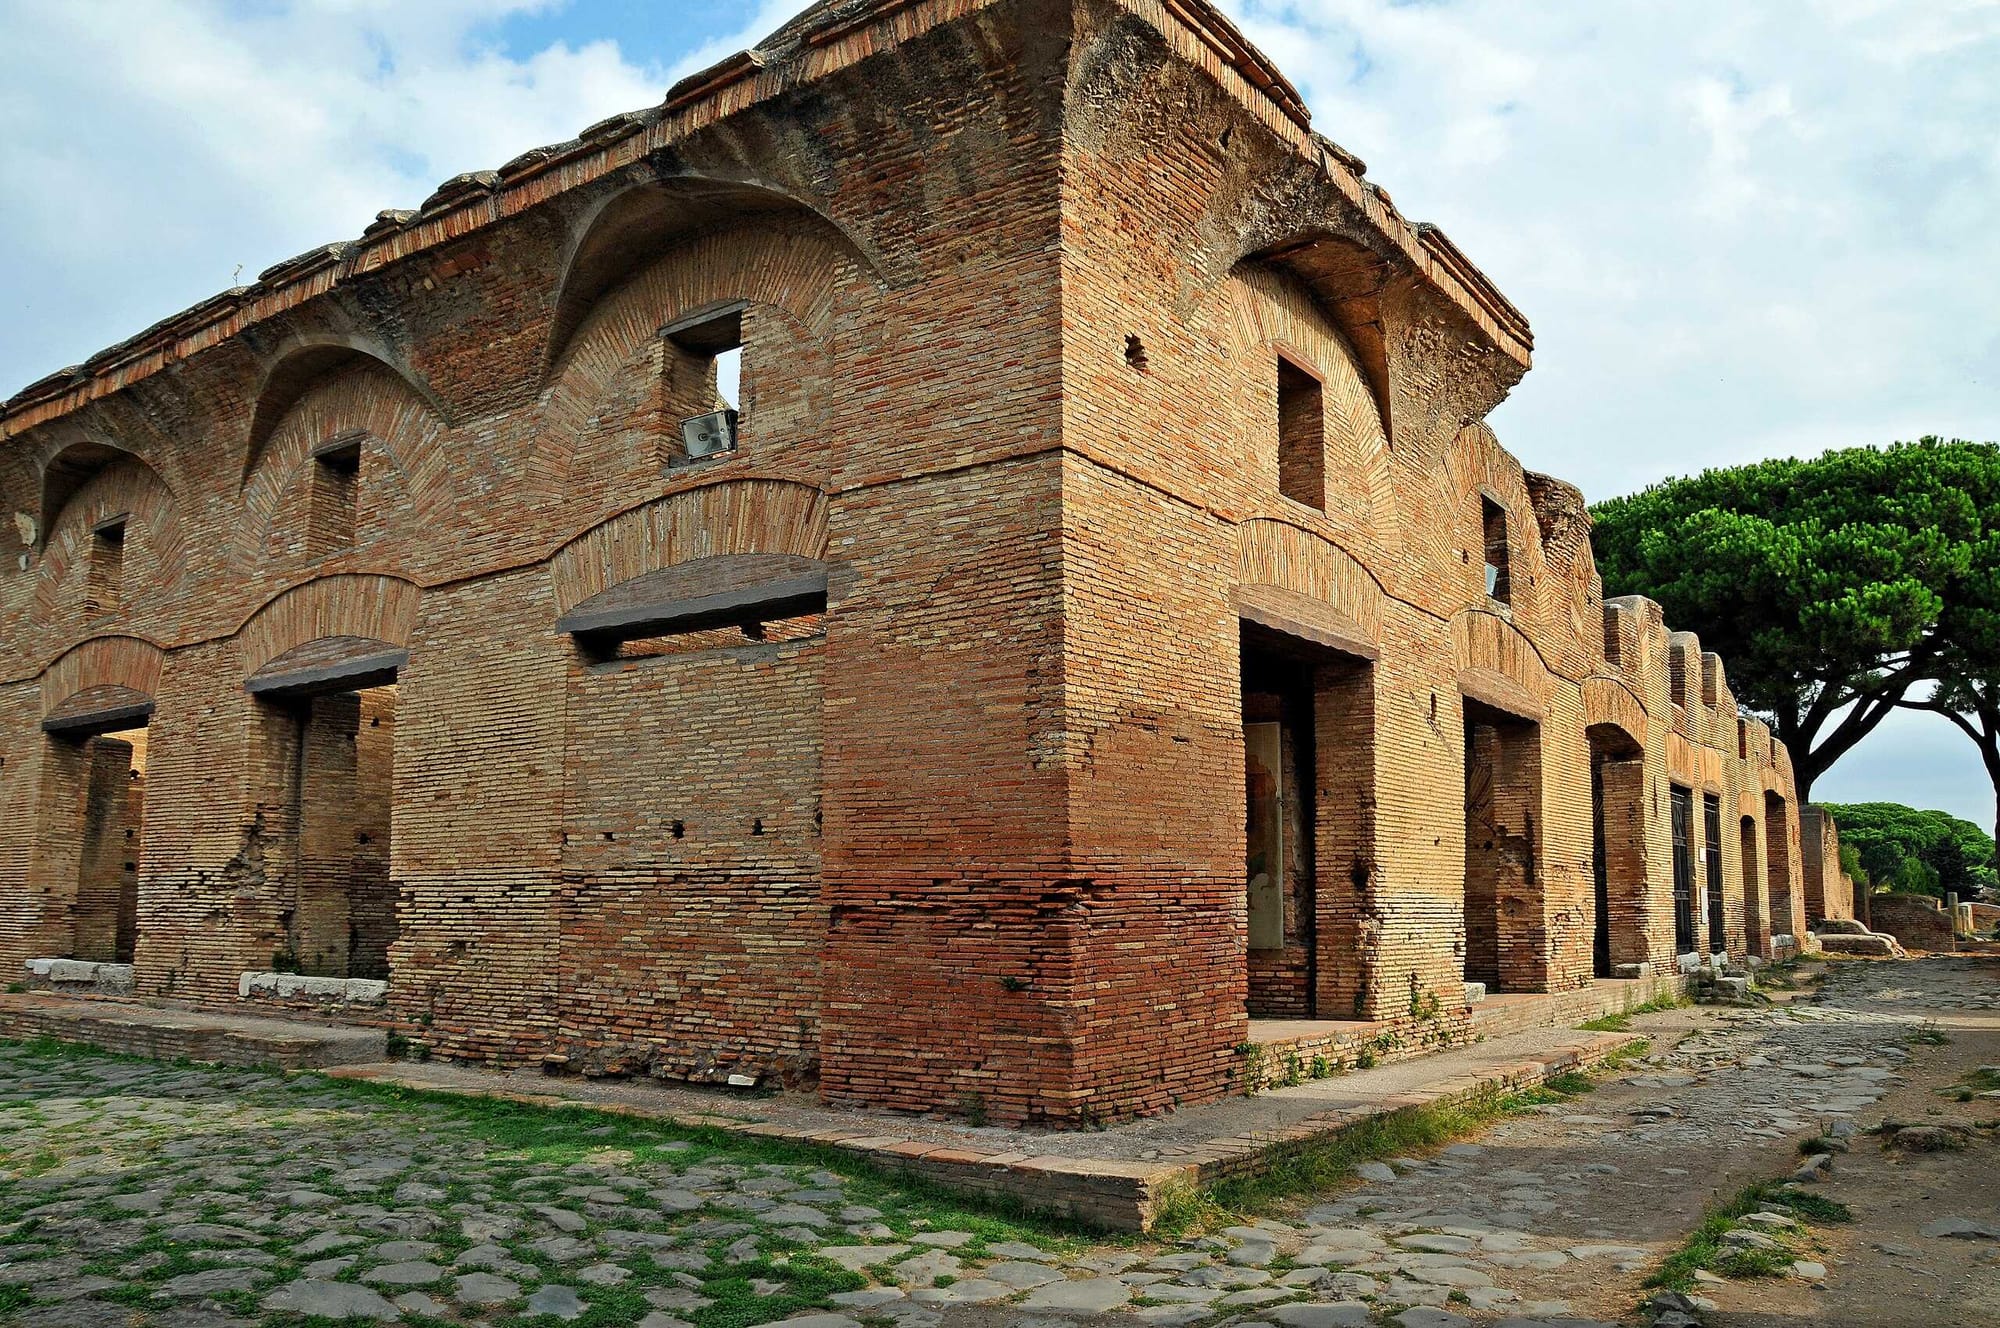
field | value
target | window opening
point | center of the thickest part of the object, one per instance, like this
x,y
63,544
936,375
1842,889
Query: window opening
x,y
1301,436
1494,520
105,585
336,496
705,367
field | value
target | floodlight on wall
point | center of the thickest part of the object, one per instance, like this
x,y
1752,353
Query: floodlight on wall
x,y
709,435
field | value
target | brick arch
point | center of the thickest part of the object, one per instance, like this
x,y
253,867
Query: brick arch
x,y
1347,280
1274,314
301,365
738,516
787,268
1610,703
371,606
129,663
1498,664
1278,553
399,429
155,541
620,232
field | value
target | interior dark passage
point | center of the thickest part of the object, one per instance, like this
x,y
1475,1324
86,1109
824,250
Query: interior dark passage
x,y
1757,928
343,918
1618,849
1308,761
1504,932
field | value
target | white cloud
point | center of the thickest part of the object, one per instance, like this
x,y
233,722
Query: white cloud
x,y
156,147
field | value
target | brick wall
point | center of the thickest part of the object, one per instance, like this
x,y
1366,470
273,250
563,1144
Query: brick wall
x,y
1918,921
1828,891
1019,284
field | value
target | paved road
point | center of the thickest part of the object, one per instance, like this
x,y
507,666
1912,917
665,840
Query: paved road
x,y
135,1193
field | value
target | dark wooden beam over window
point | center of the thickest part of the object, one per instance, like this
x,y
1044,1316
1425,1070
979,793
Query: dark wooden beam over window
x,y
725,591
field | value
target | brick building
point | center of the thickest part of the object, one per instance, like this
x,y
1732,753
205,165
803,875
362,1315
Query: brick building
x,y
1111,624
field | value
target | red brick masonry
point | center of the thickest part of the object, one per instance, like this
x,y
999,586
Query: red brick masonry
x,y
1096,413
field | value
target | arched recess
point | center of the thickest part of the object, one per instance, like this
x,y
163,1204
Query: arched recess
x,y
1778,821
1610,701
104,673
104,491
1347,280
629,229
620,385
1479,479
301,365
1310,624
734,517
1504,689
361,426
1276,319
1498,666
1623,906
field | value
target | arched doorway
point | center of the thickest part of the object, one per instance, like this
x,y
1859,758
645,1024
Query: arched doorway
x,y
1778,866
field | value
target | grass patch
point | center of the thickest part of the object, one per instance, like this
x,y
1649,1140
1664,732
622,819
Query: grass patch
x,y
1705,1247
1572,1083
1973,1084
1930,1035
1621,1021
1608,1023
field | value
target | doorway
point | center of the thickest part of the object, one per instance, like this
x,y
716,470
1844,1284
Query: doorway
x,y
1505,936
1618,848
1682,801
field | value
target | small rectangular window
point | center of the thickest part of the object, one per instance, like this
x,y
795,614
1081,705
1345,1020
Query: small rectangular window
x,y
336,496
105,585
1494,520
1301,436
705,368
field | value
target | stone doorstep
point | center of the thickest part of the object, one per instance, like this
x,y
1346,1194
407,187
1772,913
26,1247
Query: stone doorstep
x,y
1114,1194
143,1029
79,976
298,986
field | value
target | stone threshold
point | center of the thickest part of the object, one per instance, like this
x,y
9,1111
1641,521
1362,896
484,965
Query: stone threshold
x,y
165,1032
1122,1187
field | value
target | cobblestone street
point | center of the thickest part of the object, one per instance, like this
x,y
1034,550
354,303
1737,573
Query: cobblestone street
x,y
138,1193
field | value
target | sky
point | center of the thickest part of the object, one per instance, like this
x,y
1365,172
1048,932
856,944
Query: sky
x,y
1740,228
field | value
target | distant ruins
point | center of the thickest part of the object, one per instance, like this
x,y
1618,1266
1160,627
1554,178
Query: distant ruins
x,y
956,559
